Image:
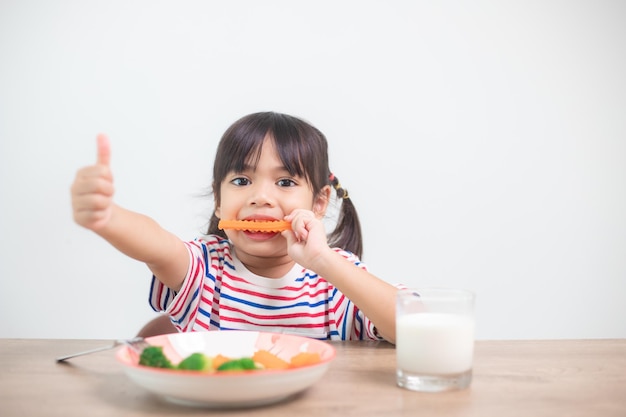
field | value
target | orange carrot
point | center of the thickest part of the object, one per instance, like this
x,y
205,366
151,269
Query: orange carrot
x,y
304,358
270,226
269,360
219,359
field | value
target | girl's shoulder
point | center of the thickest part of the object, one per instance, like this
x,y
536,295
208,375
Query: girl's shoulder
x,y
350,257
210,243
212,240
209,249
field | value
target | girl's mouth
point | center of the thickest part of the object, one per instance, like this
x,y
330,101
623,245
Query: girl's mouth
x,y
255,226
259,236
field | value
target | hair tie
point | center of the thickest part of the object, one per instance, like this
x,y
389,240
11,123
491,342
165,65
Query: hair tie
x,y
337,186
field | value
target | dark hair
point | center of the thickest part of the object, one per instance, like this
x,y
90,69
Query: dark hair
x,y
303,150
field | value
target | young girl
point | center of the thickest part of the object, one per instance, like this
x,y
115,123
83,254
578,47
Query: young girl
x,y
268,167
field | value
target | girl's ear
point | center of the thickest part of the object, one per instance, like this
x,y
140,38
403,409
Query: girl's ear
x,y
320,204
216,202
217,208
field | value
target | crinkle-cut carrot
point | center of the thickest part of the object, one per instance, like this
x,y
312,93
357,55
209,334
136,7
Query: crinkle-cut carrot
x,y
304,358
219,359
269,360
267,226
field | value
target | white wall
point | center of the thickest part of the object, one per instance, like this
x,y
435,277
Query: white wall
x,y
484,144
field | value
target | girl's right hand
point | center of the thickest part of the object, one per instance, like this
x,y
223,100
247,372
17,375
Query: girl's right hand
x,y
306,241
92,190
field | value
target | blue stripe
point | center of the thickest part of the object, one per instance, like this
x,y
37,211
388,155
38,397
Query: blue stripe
x,y
161,304
332,295
205,256
344,324
168,295
189,304
266,307
360,321
207,261
307,276
204,313
152,294
210,276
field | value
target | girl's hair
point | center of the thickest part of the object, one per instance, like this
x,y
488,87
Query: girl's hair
x,y
303,150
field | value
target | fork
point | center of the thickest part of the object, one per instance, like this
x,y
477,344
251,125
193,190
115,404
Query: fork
x,y
138,344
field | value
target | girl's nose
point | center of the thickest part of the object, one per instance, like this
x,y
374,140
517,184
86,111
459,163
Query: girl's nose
x,y
261,195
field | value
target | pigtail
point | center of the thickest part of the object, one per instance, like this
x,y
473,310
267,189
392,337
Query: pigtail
x,y
347,234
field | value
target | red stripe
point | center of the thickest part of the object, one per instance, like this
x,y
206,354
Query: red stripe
x,y
191,320
159,294
272,297
201,324
290,325
305,284
184,292
273,316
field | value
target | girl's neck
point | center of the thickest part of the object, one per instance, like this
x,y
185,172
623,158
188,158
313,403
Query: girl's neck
x,y
268,267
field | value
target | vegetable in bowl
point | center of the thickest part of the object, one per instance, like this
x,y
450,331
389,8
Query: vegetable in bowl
x,y
197,362
153,356
285,364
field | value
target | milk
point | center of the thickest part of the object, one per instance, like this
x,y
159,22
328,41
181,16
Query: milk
x,y
434,343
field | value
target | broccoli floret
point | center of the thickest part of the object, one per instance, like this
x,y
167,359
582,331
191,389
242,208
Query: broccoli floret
x,y
153,356
197,362
243,364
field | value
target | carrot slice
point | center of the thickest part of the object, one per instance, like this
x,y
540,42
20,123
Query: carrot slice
x,y
304,358
269,360
270,226
220,359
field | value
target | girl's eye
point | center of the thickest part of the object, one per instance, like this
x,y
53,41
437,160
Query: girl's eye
x,y
240,181
286,182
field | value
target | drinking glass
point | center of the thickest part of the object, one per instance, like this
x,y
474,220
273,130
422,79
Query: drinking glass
x,y
434,338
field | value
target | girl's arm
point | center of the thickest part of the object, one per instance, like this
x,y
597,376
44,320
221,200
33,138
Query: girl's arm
x,y
134,234
374,297
308,246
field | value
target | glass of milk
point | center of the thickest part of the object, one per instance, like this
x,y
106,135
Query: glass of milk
x,y
434,339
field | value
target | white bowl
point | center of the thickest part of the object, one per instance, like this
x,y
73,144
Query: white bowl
x,y
228,389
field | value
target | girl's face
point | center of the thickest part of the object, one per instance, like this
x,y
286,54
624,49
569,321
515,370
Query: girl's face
x,y
265,192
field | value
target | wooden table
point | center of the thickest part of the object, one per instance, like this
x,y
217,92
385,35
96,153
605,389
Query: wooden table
x,y
511,378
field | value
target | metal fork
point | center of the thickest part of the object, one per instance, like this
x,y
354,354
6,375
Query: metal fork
x,y
138,344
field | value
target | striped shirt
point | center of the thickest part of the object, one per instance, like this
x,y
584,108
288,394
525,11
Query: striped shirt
x,y
219,292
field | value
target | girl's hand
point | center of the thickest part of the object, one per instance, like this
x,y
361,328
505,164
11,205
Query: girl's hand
x,y
92,190
306,241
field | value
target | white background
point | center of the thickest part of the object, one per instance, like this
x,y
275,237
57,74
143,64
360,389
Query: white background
x,y
483,143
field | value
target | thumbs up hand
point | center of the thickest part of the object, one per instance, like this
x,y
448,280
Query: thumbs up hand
x,y
92,190
104,150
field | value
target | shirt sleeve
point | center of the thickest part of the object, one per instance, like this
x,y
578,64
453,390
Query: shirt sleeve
x,y
351,323
182,305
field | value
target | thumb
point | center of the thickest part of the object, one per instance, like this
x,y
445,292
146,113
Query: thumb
x,y
104,149
290,237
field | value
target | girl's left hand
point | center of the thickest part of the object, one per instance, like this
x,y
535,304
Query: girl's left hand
x,y
306,240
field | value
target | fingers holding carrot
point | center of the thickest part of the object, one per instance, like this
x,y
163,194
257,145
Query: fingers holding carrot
x,y
307,238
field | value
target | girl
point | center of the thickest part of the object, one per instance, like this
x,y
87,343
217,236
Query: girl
x,y
268,166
